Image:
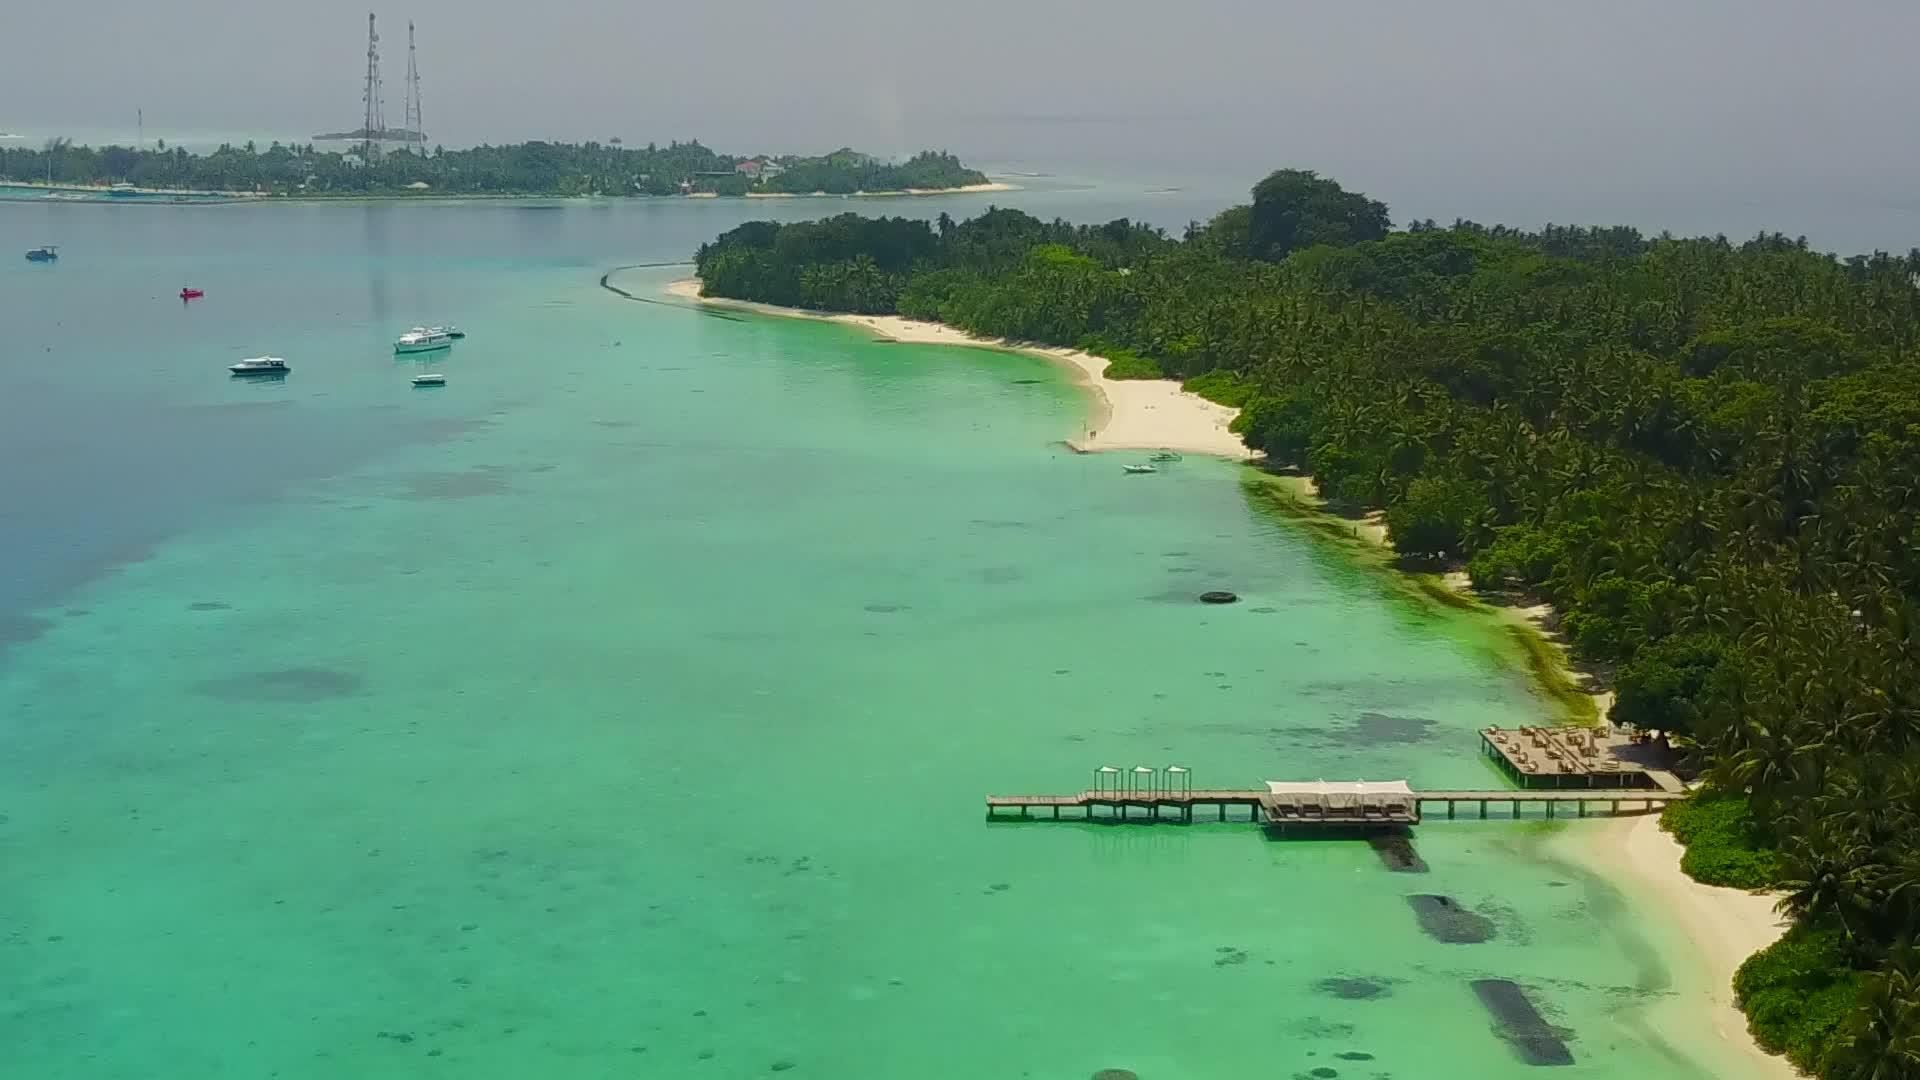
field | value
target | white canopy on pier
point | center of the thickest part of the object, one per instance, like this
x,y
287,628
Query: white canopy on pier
x,y
1344,793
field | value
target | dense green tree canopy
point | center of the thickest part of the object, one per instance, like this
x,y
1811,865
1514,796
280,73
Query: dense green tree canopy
x,y
1705,454
1295,209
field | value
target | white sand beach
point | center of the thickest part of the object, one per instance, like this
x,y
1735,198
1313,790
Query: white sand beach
x,y
1724,926
963,189
1128,414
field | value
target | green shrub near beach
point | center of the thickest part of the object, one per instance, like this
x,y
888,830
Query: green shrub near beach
x,y
1125,364
1798,994
1122,362
1721,841
1221,387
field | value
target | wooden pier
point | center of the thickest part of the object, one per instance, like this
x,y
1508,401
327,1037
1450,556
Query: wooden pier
x,y
1282,813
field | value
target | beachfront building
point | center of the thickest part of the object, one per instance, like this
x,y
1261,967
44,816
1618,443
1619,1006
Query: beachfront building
x,y
759,168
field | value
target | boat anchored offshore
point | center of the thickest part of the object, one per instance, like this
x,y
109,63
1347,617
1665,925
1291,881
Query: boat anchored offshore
x,y
450,330
431,378
45,253
191,293
260,365
1137,470
423,339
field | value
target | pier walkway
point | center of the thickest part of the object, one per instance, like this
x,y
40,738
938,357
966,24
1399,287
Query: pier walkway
x,y
1288,806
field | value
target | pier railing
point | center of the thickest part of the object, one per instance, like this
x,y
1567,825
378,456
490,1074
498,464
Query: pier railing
x,y
1148,794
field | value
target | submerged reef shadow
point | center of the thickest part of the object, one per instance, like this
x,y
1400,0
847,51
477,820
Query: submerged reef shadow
x,y
472,483
301,684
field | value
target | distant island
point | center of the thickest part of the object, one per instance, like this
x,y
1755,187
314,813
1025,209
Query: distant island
x,y
527,169
383,135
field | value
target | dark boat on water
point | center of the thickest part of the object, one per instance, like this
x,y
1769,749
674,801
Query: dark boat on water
x,y
257,366
46,253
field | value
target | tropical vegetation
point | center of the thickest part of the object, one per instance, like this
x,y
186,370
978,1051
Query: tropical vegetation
x,y
1704,453
531,168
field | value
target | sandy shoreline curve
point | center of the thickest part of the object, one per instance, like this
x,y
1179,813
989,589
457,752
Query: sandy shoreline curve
x,y
1128,414
1723,926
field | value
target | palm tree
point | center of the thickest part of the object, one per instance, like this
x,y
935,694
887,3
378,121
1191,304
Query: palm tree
x,y
1769,758
1882,1041
1830,874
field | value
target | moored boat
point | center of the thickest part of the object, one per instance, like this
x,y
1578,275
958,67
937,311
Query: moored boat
x,y
191,293
431,378
260,365
450,330
1138,469
44,253
423,339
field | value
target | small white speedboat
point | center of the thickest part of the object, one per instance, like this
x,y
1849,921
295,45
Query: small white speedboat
x,y
423,339
450,330
260,365
432,378
1138,469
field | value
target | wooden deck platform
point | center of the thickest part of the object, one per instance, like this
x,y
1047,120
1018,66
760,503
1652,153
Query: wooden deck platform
x,y
1280,813
1569,757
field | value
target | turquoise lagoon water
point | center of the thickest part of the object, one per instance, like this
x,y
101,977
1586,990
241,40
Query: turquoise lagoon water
x,y
625,707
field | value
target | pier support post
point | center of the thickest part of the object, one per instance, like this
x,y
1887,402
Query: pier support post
x,y
1449,809
1056,811
1483,809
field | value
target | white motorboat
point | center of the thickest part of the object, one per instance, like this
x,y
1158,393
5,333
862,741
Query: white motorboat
x,y
450,330
260,365
423,339
432,378
1138,469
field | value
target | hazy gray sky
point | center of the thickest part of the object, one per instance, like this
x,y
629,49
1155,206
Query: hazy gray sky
x,y
1636,95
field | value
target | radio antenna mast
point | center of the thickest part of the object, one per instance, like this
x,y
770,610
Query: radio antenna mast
x,y
376,122
413,121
